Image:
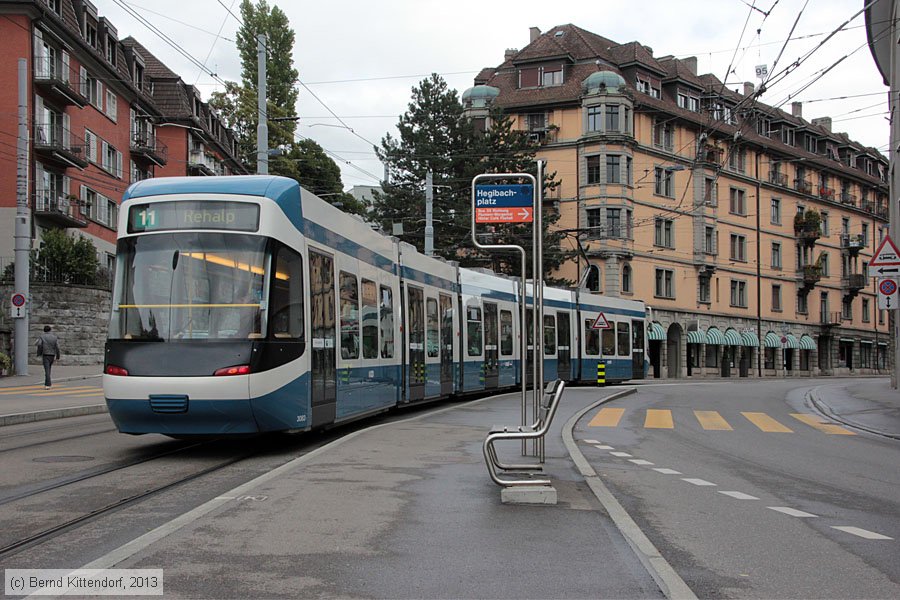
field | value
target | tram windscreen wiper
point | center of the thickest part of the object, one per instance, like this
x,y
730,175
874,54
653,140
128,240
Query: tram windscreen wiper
x,y
175,260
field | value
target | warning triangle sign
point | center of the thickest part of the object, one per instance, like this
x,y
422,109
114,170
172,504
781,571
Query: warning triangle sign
x,y
601,322
886,254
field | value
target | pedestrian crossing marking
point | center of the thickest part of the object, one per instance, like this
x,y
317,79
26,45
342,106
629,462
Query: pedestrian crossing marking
x,y
766,423
658,419
821,425
607,417
712,420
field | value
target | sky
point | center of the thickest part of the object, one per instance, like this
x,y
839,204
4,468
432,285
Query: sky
x,y
360,59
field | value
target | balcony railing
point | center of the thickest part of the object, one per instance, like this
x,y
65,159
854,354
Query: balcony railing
x,y
811,275
826,193
854,282
852,243
868,206
778,178
59,145
147,146
848,198
56,208
59,81
830,318
200,164
803,186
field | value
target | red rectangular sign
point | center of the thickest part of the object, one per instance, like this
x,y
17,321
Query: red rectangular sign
x,y
504,214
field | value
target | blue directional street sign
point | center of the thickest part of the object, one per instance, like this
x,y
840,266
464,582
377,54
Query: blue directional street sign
x,y
489,196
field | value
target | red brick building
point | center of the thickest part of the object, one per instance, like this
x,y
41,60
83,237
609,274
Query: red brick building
x,y
102,114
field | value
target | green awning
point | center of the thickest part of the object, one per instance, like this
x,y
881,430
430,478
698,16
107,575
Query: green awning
x,y
848,340
749,339
656,332
882,343
715,337
732,337
807,343
696,337
791,341
867,342
772,340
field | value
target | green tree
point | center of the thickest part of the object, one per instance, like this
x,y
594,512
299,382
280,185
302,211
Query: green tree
x,y
435,135
308,163
65,259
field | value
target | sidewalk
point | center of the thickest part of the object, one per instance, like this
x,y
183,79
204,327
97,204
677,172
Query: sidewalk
x,y
18,405
867,404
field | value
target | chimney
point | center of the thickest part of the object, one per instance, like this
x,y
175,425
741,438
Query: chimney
x,y
534,33
691,63
749,88
797,109
510,53
823,122
649,50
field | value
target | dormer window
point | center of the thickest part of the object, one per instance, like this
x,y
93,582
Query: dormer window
x,y
688,102
55,6
111,49
90,34
139,75
551,77
787,136
811,143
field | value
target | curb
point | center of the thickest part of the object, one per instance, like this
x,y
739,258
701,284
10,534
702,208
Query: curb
x,y
670,583
819,405
55,413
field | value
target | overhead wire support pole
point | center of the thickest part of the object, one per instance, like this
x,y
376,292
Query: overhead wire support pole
x,y
23,228
262,130
538,277
429,213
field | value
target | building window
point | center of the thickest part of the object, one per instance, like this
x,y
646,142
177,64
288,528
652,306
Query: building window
x,y
738,248
614,222
593,169
739,293
824,223
802,304
703,290
865,234
710,196
737,159
881,316
823,307
138,75
112,105
845,225
866,317
664,182
612,117
776,255
664,234
776,297
823,263
550,78
665,283
629,170
776,211
613,174
738,204
847,309
111,49
594,115
664,135
594,218
626,279
709,239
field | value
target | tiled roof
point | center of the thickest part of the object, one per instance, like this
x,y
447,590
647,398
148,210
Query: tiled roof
x,y
512,96
678,69
566,40
153,66
635,52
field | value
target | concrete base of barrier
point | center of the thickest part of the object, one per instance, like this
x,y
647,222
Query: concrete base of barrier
x,y
528,494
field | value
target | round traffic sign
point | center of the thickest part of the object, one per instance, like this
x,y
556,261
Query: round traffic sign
x,y
18,299
887,287
783,340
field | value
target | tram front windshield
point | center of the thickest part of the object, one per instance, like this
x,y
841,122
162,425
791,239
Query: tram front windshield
x,y
189,286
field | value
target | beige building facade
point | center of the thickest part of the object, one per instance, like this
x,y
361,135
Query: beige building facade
x,y
746,229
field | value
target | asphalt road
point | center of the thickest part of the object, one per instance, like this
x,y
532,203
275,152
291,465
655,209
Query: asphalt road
x,y
744,498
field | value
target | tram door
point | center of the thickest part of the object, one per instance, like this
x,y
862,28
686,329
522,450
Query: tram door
x,y
322,374
416,354
446,307
491,347
563,350
637,349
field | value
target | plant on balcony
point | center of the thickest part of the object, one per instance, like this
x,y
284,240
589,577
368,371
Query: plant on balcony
x,y
799,219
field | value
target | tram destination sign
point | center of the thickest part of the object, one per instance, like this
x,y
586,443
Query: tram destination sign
x,y
504,203
193,214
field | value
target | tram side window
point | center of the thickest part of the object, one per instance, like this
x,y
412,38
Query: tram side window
x,y
624,337
591,338
369,319
387,323
608,342
474,330
549,335
432,338
506,333
287,295
349,316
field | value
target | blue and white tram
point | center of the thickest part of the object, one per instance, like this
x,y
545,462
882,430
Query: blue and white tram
x,y
246,305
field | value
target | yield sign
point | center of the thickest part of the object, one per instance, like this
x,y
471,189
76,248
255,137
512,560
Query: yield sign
x,y
601,322
887,254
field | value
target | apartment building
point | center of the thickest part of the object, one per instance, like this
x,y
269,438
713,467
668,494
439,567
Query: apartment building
x,y
102,114
747,229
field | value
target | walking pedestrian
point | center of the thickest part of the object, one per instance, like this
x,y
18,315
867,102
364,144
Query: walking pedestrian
x,y
48,350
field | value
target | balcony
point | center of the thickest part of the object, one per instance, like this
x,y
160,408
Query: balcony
x,y
826,193
778,178
852,243
710,155
56,209
56,144
145,146
848,198
830,319
58,82
852,284
882,212
200,164
810,275
868,206
803,186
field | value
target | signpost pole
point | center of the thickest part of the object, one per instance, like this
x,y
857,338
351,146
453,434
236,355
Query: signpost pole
x,y
538,277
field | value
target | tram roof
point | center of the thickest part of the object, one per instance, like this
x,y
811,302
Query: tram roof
x,y
269,186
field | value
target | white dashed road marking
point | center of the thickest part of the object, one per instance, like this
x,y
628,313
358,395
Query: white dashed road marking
x,y
640,461
591,441
601,447
863,533
665,471
697,481
620,454
739,495
792,511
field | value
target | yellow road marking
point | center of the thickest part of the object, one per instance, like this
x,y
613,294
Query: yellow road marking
x,y
607,417
766,423
66,391
658,419
8,391
87,394
710,419
821,425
